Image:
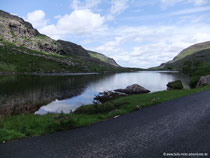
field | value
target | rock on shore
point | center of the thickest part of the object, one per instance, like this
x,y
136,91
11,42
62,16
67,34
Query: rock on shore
x,y
204,80
133,89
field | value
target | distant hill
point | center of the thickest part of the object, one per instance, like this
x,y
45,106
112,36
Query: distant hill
x,y
194,61
192,49
197,53
24,49
103,58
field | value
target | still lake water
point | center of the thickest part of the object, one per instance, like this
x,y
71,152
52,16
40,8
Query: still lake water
x,y
53,94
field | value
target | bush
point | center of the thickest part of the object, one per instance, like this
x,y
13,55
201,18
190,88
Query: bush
x,y
107,96
175,85
193,82
95,108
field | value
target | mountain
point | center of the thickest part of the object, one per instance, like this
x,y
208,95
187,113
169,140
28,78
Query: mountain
x,y
194,54
192,49
24,49
193,61
103,58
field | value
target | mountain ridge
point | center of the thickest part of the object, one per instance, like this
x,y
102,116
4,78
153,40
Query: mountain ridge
x,y
16,33
190,53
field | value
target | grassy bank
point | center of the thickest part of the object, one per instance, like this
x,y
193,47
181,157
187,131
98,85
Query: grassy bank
x,y
20,126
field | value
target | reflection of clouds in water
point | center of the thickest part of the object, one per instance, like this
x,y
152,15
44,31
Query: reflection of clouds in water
x,y
54,107
154,81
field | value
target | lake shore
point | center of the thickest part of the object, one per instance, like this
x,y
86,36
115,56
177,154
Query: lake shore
x,y
26,125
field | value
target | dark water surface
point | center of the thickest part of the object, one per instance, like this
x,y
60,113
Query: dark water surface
x,y
44,94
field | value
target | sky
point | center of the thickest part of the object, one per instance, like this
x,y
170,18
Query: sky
x,y
136,33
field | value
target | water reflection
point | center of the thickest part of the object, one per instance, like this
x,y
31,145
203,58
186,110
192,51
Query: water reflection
x,y
24,93
21,93
154,81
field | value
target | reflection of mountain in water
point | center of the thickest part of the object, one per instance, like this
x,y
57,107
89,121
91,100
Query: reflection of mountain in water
x,y
23,93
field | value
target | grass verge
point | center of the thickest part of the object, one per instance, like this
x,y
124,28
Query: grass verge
x,y
20,126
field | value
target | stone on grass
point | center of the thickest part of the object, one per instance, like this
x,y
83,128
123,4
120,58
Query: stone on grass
x,y
133,89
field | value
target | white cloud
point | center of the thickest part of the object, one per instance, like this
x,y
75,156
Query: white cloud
x,y
87,4
78,22
152,45
190,11
169,3
117,7
57,16
52,31
37,18
198,2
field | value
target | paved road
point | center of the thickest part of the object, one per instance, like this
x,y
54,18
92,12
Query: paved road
x,y
180,125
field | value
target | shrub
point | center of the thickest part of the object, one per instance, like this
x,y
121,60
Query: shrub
x,y
95,108
107,96
175,85
193,82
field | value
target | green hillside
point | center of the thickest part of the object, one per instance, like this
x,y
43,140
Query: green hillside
x,y
195,65
103,58
192,49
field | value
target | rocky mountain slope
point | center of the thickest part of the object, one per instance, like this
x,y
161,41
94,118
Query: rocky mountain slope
x,y
18,39
21,33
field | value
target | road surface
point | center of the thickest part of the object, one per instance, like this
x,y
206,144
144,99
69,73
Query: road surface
x,y
178,126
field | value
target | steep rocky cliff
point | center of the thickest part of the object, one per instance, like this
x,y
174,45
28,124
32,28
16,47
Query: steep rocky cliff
x,y
21,33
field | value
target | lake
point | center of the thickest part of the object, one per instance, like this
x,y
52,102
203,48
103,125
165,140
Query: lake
x,y
55,94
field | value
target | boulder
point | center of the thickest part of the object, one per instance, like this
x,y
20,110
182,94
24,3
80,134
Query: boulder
x,y
133,89
204,80
175,85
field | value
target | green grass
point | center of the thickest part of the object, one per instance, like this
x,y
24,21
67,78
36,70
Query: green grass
x,y
20,126
13,60
98,56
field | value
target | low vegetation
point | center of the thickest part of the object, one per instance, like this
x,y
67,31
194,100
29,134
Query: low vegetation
x,y
107,96
196,71
20,126
175,85
12,59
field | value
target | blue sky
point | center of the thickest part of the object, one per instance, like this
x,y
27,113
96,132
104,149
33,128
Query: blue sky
x,y
136,33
